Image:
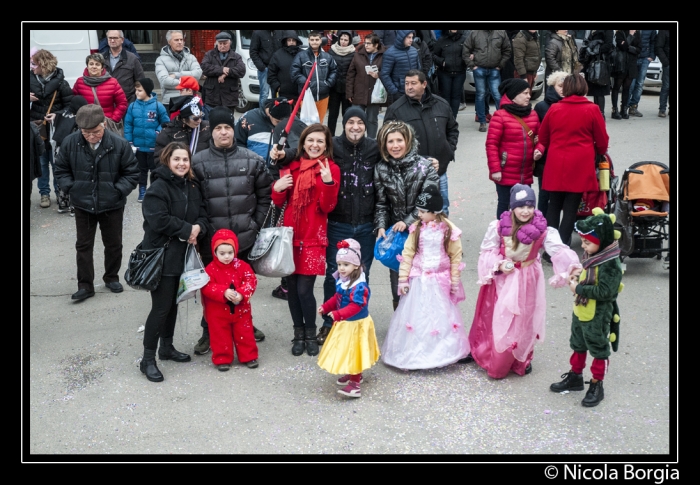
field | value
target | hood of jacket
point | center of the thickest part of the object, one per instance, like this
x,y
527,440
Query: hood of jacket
x,y
224,236
551,95
400,36
455,36
289,34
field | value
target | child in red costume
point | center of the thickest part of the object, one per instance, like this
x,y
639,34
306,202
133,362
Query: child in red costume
x,y
226,300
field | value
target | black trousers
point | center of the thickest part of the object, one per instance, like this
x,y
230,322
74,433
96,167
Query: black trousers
x,y
161,319
86,223
567,202
146,162
301,300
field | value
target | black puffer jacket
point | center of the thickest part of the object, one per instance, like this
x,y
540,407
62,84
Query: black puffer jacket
x,y
279,71
398,183
171,206
432,119
236,189
100,181
356,195
176,130
447,52
44,91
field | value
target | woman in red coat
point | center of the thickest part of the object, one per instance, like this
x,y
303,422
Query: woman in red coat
x,y
573,132
110,94
311,192
509,145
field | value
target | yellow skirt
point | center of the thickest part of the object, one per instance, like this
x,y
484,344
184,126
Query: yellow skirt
x,y
350,348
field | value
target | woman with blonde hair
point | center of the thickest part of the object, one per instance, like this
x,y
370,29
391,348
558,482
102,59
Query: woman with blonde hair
x,y
399,178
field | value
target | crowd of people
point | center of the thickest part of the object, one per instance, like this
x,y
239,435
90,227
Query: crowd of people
x,y
214,182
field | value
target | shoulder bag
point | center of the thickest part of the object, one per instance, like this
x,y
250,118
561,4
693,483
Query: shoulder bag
x,y
529,132
41,124
110,124
145,267
272,253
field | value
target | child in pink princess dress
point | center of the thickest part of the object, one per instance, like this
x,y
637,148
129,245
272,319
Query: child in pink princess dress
x,y
510,312
426,330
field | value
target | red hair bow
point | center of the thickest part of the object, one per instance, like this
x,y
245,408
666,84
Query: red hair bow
x,y
343,244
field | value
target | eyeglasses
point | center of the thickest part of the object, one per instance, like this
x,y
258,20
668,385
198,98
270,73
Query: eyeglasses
x,y
88,134
113,38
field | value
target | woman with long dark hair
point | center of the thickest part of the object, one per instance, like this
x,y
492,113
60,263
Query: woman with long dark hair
x,y
628,43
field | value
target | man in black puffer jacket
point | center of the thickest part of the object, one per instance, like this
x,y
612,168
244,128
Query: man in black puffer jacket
x,y
98,170
236,189
432,119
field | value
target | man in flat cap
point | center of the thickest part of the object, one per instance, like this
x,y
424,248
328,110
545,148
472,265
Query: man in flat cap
x,y
98,170
223,68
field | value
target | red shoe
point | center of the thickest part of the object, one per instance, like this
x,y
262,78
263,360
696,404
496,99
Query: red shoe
x,y
351,390
346,379
488,117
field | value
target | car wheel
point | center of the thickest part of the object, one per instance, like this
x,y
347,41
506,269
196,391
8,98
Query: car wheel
x,y
536,94
243,104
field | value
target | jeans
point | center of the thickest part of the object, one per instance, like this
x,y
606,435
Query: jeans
x,y
46,173
452,87
483,78
111,225
443,193
503,192
264,87
638,84
337,231
372,112
665,85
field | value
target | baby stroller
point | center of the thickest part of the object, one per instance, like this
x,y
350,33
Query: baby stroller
x,y
641,211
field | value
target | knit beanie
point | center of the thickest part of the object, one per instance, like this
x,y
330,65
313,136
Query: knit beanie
x,y
521,195
280,108
89,116
221,115
512,87
349,252
76,103
354,111
224,236
147,85
430,200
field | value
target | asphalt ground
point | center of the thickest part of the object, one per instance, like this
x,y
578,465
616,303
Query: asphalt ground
x,y
84,398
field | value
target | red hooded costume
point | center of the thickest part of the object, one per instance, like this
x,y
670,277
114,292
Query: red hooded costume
x,y
227,328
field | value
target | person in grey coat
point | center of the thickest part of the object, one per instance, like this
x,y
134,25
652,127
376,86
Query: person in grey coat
x,y
175,61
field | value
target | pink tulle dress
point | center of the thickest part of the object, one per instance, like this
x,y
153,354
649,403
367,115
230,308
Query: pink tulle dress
x,y
509,318
426,330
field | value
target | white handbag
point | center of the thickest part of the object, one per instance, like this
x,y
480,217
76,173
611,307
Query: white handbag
x,y
193,276
272,253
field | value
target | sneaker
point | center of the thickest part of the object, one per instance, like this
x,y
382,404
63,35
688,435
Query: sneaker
x,y
72,211
45,201
351,390
142,192
202,346
259,336
345,380
488,117
482,127
662,114
252,364
462,106
223,367
62,205
280,293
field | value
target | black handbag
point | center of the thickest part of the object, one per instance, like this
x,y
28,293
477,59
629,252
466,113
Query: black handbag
x,y
145,267
597,72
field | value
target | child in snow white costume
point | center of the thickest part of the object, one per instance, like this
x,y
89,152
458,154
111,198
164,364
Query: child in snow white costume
x,y
510,312
426,330
226,300
595,324
351,346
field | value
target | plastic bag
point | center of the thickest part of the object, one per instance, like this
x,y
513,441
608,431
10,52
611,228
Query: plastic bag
x,y
193,276
378,93
388,248
309,113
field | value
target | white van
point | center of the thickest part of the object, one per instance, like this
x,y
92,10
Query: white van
x,y
249,93
70,47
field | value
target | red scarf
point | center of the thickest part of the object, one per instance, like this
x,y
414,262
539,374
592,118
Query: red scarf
x,y
305,190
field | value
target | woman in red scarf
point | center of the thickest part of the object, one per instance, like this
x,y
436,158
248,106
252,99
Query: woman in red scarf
x,y
310,190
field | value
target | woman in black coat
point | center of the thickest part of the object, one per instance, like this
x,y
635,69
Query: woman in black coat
x,y
628,43
451,68
342,53
174,213
599,91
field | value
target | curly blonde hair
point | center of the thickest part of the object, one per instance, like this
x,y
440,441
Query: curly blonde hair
x,y
556,77
45,60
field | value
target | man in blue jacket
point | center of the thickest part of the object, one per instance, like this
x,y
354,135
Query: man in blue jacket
x,y
398,60
646,55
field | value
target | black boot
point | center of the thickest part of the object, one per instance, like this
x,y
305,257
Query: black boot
x,y
148,366
311,342
572,382
168,352
624,113
298,342
615,114
594,395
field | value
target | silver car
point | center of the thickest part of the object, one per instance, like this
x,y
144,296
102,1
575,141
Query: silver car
x,y
537,90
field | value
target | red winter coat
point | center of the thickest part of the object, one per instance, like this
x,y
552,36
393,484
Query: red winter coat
x,y
573,132
109,93
507,135
310,236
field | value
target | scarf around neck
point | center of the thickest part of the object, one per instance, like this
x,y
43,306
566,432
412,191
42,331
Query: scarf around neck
x,y
94,81
517,110
177,55
343,50
305,187
590,262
